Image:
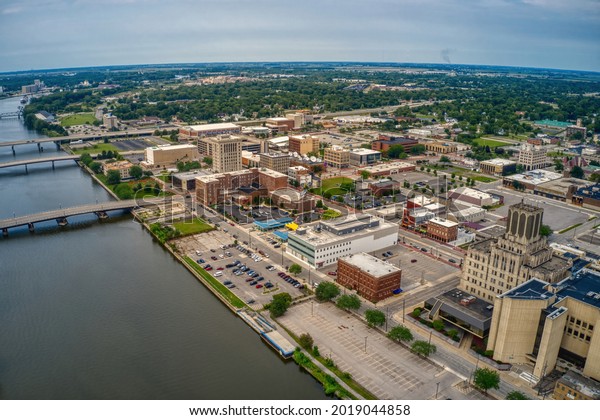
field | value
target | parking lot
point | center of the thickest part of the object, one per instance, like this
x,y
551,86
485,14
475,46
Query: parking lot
x,y
556,214
382,366
205,243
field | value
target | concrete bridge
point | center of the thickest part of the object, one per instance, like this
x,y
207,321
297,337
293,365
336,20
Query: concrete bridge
x,y
77,137
61,215
39,160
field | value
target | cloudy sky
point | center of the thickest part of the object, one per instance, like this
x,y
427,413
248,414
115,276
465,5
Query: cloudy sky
x,y
39,34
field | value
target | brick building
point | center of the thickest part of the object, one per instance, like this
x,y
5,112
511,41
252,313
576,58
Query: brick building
x,y
372,278
442,230
303,144
385,141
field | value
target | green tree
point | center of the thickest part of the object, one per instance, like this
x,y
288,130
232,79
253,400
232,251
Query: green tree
x,y
485,379
295,269
516,395
365,174
306,341
595,177
124,191
374,317
136,172
423,348
208,160
400,333
417,149
280,303
445,159
96,167
438,325
113,177
577,172
545,230
558,165
396,152
326,291
348,302
86,159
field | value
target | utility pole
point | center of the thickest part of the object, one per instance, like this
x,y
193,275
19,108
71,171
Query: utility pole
x,y
403,309
437,387
387,315
366,343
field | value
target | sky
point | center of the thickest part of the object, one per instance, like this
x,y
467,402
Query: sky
x,y
44,34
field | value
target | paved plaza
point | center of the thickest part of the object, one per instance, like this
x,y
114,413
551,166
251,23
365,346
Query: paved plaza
x,y
382,366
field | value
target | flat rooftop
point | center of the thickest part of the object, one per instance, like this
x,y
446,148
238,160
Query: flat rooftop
x,y
174,147
498,161
443,222
371,264
470,192
583,286
389,166
466,307
582,384
211,127
318,234
362,152
539,176
531,289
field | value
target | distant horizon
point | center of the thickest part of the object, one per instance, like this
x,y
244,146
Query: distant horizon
x,y
546,34
380,63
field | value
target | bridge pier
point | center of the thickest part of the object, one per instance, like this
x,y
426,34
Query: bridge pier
x,y
26,171
62,221
13,150
4,231
39,145
101,215
31,228
52,165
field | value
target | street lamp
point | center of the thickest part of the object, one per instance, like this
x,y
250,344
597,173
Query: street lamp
x,y
437,387
366,343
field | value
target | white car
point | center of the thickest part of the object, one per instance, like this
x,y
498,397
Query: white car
x,y
221,256
218,274
198,253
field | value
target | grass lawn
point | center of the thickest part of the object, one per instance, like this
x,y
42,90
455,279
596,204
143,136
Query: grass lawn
x,y
490,142
192,227
95,149
77,119
332,185
216,285
482,178
330,214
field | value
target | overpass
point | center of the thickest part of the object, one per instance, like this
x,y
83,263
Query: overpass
x,y
77,137
39,160
61,215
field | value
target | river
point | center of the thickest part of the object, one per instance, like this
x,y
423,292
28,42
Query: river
x,y
101,311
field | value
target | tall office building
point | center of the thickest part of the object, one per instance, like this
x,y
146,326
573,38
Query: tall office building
x,y
496,265
226,152
532,157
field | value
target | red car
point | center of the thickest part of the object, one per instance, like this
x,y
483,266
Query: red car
x,y
231,224
220,269
213,258
208,268
259,286
332,273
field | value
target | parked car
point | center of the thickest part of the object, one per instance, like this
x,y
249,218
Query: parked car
x,y
253,282
213,250
250,301
332,273
218,273
249,279
200,261
413,261
226,282
214,258
268,285
424,249
231,286
452,260
259,286
221,256
260,278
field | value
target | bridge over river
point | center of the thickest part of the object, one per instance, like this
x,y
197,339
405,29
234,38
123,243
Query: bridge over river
x,y
38,160
61,215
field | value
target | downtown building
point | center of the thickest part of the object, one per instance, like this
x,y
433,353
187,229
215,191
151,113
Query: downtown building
x,y
216,188
532,157
496,265
322,243
225,150
370,277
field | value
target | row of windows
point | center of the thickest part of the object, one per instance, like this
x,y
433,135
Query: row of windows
x,y
578,322
577,334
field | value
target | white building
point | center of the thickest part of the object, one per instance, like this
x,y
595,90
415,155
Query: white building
x,y
321,244
361,157
532,157
202,130
469,214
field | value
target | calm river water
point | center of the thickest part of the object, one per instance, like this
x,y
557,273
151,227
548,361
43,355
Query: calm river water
x,y
101,311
